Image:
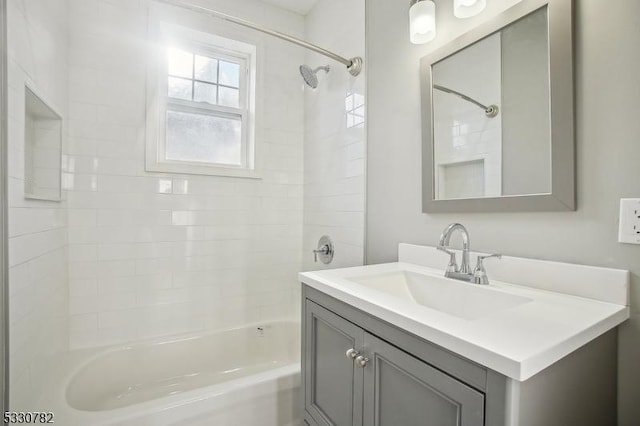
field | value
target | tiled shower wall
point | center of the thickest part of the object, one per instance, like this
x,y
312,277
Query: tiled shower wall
x,y
154,254
38,296
334,167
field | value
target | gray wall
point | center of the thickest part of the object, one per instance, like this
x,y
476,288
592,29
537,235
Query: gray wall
x,y
526,150
608,148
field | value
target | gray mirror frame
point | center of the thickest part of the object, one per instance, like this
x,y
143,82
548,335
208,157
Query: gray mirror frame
x,y
562,196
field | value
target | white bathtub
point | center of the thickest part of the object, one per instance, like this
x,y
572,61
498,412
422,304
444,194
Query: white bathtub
x,y
243,376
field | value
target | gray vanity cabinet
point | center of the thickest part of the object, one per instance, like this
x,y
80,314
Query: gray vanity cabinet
x,y
379,385
333,383
404,380
403,390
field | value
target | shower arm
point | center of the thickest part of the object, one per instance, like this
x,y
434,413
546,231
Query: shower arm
x,y
354,65
490,111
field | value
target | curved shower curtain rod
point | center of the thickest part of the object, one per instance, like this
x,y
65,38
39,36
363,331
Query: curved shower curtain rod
x,y
354,65
490,111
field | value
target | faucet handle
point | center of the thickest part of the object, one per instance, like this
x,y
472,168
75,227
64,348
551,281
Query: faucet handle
x,y
479,273
325,249
481,258
452,266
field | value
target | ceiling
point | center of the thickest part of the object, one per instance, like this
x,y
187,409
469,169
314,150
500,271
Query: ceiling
x,y
298,6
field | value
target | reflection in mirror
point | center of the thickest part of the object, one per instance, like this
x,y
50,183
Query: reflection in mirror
x,y
491,115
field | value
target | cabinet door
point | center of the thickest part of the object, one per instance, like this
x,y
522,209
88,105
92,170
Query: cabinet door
x,y
332,383
402,390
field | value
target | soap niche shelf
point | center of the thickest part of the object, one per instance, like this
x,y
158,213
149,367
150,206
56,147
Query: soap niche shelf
x,y
42,149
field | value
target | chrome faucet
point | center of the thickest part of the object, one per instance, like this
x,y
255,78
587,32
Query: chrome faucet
x,y
443,245
463,273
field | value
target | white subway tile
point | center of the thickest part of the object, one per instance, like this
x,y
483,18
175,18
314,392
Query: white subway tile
x,y
116,251
165,186
118,166
178,233
83,253
162,297
83,270
117,319
81,164
180,186
109,336
82,218
153,282
115,268
84,235
107,285
154,266
117,301
111,149
84,300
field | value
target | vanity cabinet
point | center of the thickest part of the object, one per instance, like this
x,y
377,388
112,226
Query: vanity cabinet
x,y
333,383
353,377
400,389
399,379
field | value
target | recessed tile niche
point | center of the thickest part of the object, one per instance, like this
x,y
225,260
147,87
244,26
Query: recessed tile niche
x,y
42,149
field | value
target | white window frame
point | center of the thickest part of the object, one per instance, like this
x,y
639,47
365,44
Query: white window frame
x,y
204,108
158,102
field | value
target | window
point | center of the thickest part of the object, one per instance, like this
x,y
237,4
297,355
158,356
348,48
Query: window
x,y
205,106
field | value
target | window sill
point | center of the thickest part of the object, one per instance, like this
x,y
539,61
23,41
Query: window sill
x,y
192,169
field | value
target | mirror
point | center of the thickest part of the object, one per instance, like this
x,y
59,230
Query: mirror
x,y
498,115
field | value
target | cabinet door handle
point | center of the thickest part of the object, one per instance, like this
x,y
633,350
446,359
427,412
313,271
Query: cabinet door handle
x,y
352,353
362,361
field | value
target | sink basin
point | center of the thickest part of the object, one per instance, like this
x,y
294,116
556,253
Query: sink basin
x,y
463,300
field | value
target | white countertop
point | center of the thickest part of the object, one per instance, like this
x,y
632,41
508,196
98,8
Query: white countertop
x,y
517,342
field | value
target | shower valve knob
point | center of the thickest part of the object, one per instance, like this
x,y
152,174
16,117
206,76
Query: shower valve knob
x,y
322,250
325,250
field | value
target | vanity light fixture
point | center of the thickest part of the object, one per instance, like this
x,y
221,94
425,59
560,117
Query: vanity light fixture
x,y
422,21
468,8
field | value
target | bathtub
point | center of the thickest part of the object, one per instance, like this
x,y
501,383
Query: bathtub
x,y
242,376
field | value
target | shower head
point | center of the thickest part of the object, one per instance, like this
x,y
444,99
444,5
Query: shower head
x,y
310,76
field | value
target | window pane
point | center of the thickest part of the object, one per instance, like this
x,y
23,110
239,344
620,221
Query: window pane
x,y
205,93
203,138
180,63
229,97
206,69
179,88
229,74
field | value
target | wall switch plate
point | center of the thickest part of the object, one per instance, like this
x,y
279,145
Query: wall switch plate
x,y
629,221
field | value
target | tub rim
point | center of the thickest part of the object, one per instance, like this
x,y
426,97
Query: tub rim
x,y
101,351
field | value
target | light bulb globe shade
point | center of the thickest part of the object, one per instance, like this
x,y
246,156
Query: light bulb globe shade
x,y
468,8
422,22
